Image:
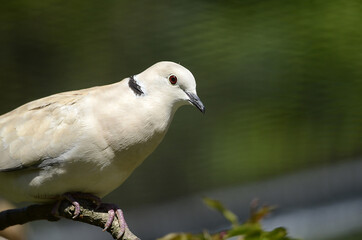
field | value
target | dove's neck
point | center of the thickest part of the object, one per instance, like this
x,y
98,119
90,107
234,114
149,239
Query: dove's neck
x,y
159,111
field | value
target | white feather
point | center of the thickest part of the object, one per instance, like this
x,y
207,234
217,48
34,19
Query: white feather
x,y
89,140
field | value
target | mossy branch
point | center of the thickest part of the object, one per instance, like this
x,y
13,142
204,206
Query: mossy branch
x,y
43,212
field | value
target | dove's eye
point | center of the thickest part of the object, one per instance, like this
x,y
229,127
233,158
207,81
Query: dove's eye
x,y
172,79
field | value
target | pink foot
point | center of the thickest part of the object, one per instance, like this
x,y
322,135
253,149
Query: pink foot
x,y
114,210
71,198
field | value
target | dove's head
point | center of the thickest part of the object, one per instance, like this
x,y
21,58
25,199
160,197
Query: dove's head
x,y
170,83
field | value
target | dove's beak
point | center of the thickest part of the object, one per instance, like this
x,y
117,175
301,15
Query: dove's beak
x,y
195,100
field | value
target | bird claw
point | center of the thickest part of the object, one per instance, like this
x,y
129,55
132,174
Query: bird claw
x,y
71,198
110,219
114,210
74,202
96,200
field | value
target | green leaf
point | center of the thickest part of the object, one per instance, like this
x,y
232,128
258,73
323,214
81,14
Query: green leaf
x,y
230,216
246,230
259,213
276,234
250,230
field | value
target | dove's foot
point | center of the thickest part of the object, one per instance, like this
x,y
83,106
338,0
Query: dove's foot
x,y
71,197
112,211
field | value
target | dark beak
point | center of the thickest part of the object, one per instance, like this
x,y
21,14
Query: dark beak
x,y
195,100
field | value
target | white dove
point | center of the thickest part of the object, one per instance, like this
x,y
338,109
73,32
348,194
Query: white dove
x,y
87,142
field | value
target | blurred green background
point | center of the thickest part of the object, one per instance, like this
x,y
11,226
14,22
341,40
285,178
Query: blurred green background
x,y
281,80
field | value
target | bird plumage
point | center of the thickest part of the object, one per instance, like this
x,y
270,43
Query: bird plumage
x,y
88,140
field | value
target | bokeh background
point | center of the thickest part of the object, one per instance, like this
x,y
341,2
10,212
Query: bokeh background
x,y
282,85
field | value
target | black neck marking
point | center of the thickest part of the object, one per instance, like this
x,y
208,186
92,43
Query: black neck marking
x,y
132,83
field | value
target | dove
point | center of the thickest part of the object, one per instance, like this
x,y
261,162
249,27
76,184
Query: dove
x,y
86,143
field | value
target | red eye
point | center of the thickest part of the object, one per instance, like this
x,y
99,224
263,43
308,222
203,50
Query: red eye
x,y
172,79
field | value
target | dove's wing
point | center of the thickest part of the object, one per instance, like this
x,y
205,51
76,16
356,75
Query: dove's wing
x,y
38,131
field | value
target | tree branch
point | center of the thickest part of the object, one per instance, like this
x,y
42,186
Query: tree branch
x,y
43,212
